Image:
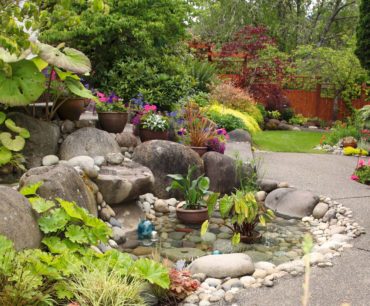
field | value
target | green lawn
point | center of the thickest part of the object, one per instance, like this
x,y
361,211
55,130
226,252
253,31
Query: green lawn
x,y
287,141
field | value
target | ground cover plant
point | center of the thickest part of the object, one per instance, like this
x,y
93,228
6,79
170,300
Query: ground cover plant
x,y
287,141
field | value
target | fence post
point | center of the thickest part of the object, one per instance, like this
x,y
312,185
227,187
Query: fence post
x,y
317,99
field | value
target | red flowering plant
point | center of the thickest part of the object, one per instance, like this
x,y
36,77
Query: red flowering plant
x,y
182,284
362,172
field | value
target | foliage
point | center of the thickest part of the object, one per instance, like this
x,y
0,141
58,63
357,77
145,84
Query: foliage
x,y
287,113
154,122
250,123
341,130
339,67
274,114
204,74
287,141
104,286
10,145
298,119
195,191
243,212
236,98
182,284
363,35
200,98
354,151
227,121
362,172
111,103
364,116
262,110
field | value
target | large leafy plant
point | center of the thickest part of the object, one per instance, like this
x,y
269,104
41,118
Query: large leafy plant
x,y
12,142
242,212
195,191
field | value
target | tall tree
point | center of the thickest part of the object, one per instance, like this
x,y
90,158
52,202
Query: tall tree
x,y
363,35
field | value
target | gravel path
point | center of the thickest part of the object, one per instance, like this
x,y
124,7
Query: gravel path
x,y
348,281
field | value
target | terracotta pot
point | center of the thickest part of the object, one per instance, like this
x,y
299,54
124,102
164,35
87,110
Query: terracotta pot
x,y
200,150
192,216
146,135
256,236
113,122
72,109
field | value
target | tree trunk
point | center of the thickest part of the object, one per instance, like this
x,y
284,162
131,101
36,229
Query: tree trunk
x,y
336,106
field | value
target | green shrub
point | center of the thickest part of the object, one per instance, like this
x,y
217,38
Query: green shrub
x,y
287,113
204,73
341,130
201,98
298,119
262,110
227,121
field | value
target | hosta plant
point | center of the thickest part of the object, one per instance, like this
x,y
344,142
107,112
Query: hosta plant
x,y
12,141
242,214
154,122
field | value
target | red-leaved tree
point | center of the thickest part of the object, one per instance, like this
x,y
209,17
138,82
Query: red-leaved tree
x,y
264,68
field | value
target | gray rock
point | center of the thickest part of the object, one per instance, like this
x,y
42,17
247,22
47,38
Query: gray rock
x,y
82,161
43,141
114,158
232,283
88,141
106,213
17,220
68,127
99,160
221,170
267,185
166,157
119,184
330,214
209,238
320,210
225,246
61,181
224,265
161,206
119,234
126,139
295,265
115,222
50,160
91,172
240,135
272,124
260,195
291,203
213,282
187,254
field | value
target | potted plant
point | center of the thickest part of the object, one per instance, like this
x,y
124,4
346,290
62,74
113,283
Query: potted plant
x,y
242,212
112,113
197,197
217,141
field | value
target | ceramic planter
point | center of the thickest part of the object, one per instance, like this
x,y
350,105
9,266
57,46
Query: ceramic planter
x,y
113,122
71,109
192,216
200,150
146,135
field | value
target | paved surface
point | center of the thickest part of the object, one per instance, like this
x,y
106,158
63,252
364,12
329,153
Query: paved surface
x,y
348,281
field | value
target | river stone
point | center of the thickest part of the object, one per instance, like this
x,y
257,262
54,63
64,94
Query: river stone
x,y
221,170
187,254
126,139
43,140
17,220
165,157
120,184
224,265
50,160
82,161
240,135
258,256
88,141
267,185
209,238
291,203
61,181
320,210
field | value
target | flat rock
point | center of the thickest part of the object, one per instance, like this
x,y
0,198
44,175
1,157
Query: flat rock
x,y
119,184
291,202
88,141
224,265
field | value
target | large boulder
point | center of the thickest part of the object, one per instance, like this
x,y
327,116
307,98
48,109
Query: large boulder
x,y
43,141
221,266
88,141
120,184
61,181
291,202
240,135
17,221
223,173
165,157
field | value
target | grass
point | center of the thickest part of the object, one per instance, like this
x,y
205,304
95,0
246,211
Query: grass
x,y
287,141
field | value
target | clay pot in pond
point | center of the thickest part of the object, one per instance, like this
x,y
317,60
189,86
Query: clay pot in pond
x,y
146,135
192,216
254,238
113,122
200,150
71,109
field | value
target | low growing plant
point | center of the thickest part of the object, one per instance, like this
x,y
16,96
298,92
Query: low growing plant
x,y
362,172
154,122
196,192
354,151
227,121
298,119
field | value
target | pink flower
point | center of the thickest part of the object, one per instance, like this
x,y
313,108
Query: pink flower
x,y
148,108
102,97
354,177
361,163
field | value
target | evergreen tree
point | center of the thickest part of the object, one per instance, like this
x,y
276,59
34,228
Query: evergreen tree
x,y
363,35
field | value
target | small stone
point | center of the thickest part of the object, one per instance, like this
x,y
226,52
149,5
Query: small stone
x,y
199,276
114,158
204,303
260,196
106,213
104,248
204,296
81,161
320,210
264,265
330,214
115,222
268,283
91,172
176,235
171,202
232,283
118,234
259,273
113,244
193,298
68,127
267,185
50,160
283,185
96,249
209,238
99,160
99,198
247,281
229,297
161,206
214,298
213,282
142,250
